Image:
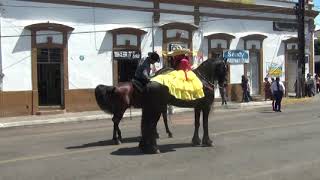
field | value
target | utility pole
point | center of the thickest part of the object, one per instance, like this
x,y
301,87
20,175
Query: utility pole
x,y
1,63
300,10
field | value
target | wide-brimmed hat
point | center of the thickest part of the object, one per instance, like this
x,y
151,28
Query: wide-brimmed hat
x,y
154,56
178,52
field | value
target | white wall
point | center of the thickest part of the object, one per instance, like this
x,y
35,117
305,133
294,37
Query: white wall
x,y
273,50
91,39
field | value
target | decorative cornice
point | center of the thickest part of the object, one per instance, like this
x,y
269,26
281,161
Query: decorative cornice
x,y
238,6
128,31
223,36
291,40
258,37
49,27
201,3
178,25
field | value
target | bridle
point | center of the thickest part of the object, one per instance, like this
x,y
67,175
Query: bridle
x,y
211,84
205,79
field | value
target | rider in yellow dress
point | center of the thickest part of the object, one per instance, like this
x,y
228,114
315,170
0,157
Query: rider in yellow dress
x,y
183,82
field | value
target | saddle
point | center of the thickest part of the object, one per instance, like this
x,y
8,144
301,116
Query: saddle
x,y
179,86
137,85
140,86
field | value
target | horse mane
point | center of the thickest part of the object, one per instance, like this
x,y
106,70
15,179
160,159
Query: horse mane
x,y
203,67
210,60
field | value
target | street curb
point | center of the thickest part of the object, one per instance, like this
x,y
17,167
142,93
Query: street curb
x,y
129,113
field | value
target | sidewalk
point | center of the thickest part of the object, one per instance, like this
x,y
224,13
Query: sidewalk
x,y
100,115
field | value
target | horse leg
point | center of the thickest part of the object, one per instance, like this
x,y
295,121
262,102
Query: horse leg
x,y
116,122
196,140
118,129
206,141
148,143
119,133
117,138
165,120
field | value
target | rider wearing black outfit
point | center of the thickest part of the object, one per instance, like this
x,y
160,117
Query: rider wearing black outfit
x,y
142,74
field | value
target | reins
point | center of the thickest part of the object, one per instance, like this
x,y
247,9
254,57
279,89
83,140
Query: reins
x,y
205,79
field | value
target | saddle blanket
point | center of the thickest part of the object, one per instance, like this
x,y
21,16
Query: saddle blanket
x,y
181,87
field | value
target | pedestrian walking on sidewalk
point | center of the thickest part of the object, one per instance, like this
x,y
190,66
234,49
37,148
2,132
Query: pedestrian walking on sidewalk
x,y
272,97
277,89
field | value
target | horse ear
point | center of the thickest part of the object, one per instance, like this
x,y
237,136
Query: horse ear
x,y
225,60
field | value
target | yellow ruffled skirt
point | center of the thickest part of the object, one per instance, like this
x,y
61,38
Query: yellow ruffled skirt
x,y
179,86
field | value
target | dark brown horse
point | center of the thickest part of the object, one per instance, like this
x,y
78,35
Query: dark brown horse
x,y
157,97
116,100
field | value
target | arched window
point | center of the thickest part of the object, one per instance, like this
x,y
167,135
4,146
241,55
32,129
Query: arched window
x,y
253,70
217,43
177,34
49,64
126,52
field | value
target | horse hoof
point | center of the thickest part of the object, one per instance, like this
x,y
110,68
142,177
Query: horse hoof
x,y
141,145
196,141
151,151
116,142
157,136
207,143
170,135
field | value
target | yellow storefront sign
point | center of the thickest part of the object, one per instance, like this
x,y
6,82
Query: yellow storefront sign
x,y
274,69
275,72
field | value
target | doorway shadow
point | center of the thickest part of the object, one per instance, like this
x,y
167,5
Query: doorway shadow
x,y
104,143
135,151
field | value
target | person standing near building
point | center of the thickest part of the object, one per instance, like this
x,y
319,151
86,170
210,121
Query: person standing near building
x,y
277,89
267,89
224,94
316,78
310,85
244,85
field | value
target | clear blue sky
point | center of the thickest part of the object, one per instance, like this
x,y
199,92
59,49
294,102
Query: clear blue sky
x,y
317,6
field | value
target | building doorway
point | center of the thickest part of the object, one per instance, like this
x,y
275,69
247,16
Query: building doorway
x,y
292,70
126,69
253,73
50,71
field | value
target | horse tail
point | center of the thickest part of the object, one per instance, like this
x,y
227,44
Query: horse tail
x,y
103,96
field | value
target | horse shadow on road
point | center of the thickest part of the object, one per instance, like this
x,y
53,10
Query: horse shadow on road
x,y
134,151
131,151
104,143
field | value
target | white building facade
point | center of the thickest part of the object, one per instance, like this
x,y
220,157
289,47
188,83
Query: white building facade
x,y
54,53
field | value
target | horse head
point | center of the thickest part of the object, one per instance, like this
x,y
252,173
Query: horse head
x,y
213,70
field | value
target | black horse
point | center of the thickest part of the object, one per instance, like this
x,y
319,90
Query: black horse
x,y
157,97
116,100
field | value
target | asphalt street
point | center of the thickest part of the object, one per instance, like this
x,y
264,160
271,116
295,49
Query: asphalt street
x,y
253,144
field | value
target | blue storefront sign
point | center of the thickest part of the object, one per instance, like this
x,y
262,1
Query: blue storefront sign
x,y
236,56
